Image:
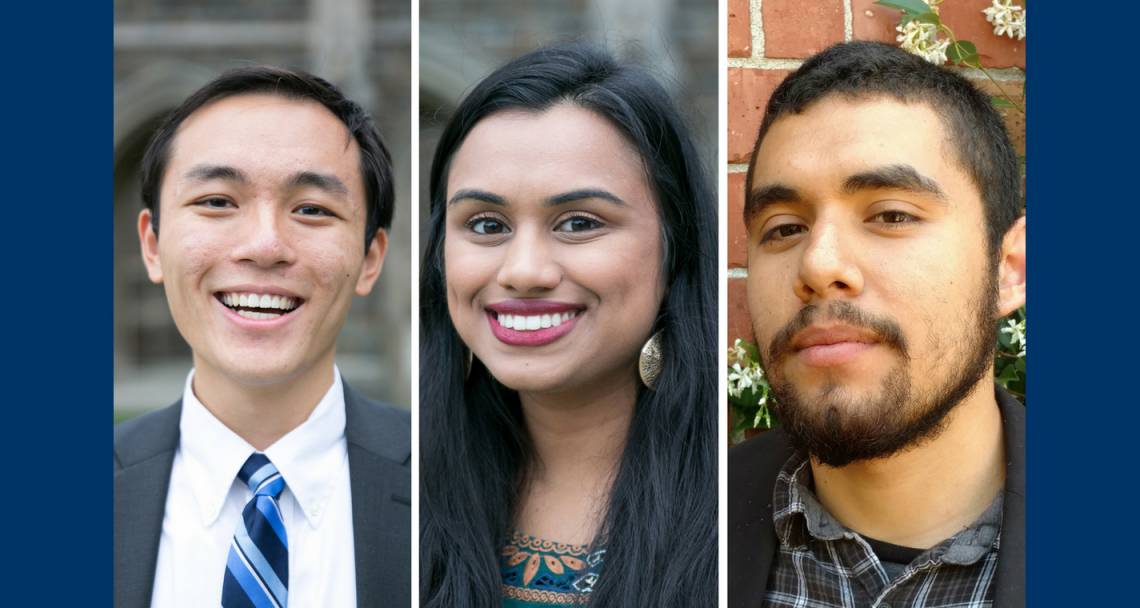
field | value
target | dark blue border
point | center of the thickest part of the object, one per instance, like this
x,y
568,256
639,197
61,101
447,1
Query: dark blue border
x,y
1084,238
1083,198
58,98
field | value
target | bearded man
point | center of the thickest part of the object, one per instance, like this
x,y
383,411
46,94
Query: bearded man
x,y
885,242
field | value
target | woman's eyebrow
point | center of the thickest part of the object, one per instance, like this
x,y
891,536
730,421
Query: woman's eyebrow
x,y
478,195
582,194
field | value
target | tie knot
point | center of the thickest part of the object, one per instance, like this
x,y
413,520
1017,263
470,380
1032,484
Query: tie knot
x,y
261,476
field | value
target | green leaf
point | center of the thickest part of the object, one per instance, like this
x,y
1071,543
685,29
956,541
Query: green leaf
x,y
915,9
927,17
963,52
1008,375
1002,102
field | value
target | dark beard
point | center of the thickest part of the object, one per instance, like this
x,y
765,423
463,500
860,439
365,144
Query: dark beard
x,y
837,430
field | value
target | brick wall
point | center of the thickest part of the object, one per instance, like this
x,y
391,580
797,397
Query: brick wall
x,y
768,39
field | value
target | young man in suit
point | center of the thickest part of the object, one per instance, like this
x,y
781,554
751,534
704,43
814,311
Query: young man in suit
x,y
885,242
270,483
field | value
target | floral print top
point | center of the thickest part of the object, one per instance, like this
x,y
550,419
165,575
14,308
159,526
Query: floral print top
x,y
539,573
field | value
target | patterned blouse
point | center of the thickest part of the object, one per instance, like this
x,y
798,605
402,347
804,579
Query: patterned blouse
x,y
540,574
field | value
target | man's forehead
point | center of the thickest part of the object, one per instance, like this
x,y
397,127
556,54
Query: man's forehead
x,y
856,119
849,135
267,131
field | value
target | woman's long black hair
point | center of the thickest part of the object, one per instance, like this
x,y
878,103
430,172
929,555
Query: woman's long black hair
x,y
660,523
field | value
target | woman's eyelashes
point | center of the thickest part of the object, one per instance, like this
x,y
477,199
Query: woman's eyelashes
x,y
574,224
578,222
487,225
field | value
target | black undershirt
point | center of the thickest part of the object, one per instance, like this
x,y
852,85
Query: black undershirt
x,y
895,558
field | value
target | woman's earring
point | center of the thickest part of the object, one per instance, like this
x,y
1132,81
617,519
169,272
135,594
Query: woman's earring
x,y
649,363
470,359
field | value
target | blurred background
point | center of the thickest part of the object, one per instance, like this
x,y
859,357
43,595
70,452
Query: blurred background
x,y
462,41
165,50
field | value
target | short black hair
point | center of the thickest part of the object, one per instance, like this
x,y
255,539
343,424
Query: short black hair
x,y
861,69
375,162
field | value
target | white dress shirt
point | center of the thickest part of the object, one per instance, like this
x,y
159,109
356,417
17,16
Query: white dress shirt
x,y
205,501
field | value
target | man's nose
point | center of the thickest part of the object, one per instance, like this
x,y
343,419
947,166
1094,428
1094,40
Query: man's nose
x,y
828,266
265,240
529,265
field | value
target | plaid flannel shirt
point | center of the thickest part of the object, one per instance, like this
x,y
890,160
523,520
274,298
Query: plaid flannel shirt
x,y
821,564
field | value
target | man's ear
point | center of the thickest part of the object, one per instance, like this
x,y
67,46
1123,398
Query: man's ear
x,y
148,242
1011,269
373,263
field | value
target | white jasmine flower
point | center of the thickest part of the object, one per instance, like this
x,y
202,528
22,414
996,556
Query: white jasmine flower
x,y
738,380
1016,332
921,38
1007,18
737,352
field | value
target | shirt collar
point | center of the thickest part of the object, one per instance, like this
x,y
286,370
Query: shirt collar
x,y
798,515
310,457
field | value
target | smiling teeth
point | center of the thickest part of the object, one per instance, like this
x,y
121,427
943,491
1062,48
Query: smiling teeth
x,y
534,322
249,314
257,300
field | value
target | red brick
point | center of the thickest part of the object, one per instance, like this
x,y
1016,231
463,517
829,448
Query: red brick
x,y
739,28
1014,119
748,92
737,236
964,17
795,29
739,323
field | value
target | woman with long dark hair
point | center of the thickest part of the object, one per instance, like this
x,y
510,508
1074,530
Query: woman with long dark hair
x,y
568,345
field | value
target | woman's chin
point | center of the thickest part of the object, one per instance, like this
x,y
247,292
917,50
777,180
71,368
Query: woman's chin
x,y
527,379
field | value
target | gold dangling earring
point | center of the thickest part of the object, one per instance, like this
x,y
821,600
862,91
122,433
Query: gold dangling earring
x,y
470,359
649,363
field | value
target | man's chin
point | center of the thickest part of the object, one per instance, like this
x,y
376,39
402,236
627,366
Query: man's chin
x,y
839,425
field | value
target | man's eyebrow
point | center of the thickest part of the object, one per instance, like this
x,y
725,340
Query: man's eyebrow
x,y
205,173
478,195
583,194
324,181
771,194
894,177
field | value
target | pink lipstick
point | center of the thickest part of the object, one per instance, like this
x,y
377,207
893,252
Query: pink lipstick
x,y
532,322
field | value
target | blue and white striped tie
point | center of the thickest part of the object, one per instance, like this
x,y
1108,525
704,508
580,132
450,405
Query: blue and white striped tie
x,y
257,569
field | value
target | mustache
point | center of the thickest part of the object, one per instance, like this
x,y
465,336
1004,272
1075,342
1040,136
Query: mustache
x,y
886,329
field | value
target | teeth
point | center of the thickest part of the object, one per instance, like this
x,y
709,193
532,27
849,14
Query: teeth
x,y
249,314
255,300
533,322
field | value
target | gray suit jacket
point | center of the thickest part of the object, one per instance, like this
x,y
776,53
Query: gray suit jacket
x,y
379,461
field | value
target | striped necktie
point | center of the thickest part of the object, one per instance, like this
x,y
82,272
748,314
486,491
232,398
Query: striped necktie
x,y
257,569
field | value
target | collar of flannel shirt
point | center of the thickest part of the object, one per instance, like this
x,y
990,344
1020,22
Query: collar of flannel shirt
x,y
798,516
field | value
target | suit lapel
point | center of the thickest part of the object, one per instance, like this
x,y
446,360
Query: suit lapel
x,y
144,453
378,455
1010,576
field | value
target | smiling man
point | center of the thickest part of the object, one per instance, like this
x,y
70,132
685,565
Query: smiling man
x,y
271,482
885,241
